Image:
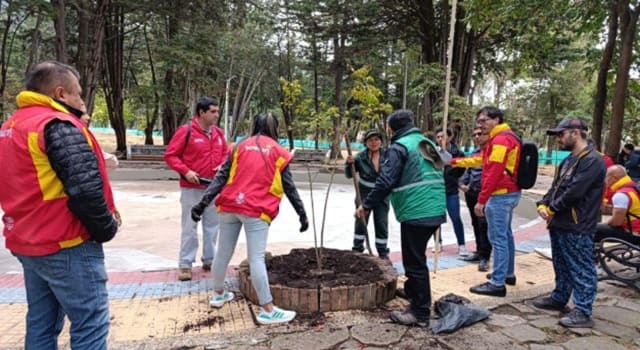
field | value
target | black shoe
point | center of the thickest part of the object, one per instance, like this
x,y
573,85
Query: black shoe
x,y
488,288
384,256
510,280
576,319
407,318
471,258
484,265
401,294
548,303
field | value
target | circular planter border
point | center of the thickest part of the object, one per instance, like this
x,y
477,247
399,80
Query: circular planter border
x,y
323,299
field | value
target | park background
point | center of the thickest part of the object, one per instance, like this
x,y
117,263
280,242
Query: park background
x,y
335,67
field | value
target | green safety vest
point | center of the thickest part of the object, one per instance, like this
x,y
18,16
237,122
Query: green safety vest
x,y
420,193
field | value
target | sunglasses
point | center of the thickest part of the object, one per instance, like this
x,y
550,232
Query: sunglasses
x,y
477,134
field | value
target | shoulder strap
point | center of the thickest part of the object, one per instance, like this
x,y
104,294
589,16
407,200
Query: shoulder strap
x,y
511,133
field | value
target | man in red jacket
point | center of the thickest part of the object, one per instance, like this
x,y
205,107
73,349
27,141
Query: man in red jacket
x,y
498,197
196,151
58,209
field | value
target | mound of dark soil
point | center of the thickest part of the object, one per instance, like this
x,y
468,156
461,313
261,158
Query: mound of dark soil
x,y
299,269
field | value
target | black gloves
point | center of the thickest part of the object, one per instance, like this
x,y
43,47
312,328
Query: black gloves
x,y
304,223
196,211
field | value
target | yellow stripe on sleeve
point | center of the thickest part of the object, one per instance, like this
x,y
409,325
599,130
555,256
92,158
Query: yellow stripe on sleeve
x,y
497,153
276,185
234,167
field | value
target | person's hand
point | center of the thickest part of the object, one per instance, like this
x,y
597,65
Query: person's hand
x,y
464,188
479,210
196,211
192,177
349,159
361,212
542,212
545,213
304,223
117,218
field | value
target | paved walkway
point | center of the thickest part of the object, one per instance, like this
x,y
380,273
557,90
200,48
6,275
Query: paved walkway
x,y
152,310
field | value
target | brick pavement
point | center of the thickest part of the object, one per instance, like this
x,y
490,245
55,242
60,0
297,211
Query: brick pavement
x,y
154,304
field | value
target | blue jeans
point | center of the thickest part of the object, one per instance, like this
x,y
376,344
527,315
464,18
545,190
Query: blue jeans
x,y
453,208
499,214
257,231
575,271
71,282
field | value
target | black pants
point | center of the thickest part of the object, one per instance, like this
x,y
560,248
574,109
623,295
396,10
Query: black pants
x,y
603,231
483,246
414,240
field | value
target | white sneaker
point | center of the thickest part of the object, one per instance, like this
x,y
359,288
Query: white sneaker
x,y
277,315
462,250
217,300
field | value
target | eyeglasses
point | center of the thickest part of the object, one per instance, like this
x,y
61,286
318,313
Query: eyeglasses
x,y
481,120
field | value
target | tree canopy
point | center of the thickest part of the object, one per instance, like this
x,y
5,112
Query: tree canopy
x,y
335,66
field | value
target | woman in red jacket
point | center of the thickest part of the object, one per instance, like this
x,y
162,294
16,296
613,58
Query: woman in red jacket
x,y
250,185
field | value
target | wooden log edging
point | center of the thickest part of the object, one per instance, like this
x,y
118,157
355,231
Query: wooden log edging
x,y
324,299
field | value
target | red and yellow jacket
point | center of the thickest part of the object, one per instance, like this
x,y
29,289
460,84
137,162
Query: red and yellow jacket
x,y
627,186
499,160
254,187
36,218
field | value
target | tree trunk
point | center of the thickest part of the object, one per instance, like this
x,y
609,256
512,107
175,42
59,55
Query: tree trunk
x,y
4,62
114,75
34,52
169,121
246,99
628,21
600,96
169,118
338,70
151,121
90,64
60,26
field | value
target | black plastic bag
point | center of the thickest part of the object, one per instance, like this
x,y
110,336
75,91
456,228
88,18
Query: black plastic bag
x,y
455,312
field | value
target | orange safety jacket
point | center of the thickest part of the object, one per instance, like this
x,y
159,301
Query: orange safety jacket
x,y
254,187
36,218
627,186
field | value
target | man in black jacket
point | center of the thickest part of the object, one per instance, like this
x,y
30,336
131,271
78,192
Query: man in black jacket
x,y
58,207
470,185
571,210
416,189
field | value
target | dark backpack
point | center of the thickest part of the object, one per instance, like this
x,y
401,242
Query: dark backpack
x,y
528,164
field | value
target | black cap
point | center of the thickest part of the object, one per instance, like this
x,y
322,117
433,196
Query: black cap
x,y
371,133
400,119
568,123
